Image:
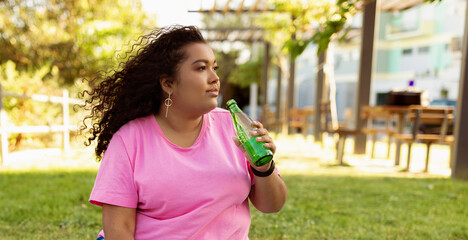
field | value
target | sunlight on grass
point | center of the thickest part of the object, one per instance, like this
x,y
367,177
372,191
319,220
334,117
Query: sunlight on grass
x,y
49,159
367,199
299,155
295,155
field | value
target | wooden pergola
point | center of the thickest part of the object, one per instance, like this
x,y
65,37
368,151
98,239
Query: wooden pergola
x,y
398,5
459,162
248,35
258,6
233,34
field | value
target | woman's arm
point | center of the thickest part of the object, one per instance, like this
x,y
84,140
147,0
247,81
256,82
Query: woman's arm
x,y
118,222
269,193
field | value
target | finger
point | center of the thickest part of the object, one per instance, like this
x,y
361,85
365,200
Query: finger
x,y
271,146
236,141
268,142
264,138
238,144
257,124
260,132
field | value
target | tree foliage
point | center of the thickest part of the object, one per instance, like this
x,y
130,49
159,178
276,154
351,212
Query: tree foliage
x,y
295,24
247,73
78,37
49,44
290,27
334,21
25,112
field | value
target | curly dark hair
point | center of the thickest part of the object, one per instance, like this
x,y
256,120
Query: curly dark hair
x,y
134,89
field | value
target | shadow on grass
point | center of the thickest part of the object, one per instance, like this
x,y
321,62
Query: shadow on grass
x,y
54,205
331,165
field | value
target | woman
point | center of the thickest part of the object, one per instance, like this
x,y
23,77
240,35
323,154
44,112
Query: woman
x,y
170,168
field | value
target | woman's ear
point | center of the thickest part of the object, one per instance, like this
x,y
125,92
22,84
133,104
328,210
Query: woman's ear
x,y
166,83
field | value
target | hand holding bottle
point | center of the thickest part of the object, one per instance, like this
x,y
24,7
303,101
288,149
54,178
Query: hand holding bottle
x,y
251,136
262,135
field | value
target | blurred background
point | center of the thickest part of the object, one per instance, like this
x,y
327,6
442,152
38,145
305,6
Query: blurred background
x,y
268,52
294,65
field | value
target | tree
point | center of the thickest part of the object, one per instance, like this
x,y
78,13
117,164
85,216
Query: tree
x,y
50,44
293,22
79,37
291,25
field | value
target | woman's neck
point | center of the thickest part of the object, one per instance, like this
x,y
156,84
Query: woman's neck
x,y
179,121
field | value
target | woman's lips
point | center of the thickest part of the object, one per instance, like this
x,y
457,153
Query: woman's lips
x,y
213,92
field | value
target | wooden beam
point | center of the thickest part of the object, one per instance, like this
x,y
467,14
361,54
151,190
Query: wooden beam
x,y
214,7
398,5
322,58
231,29
224,39
219,35
254,6
249,35
232,11
278,97
459,160
365,72
240,8
265,76
258,6
408,3
387,5
226,7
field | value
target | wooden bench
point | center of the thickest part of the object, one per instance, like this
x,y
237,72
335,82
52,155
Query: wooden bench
x,y
418,115
300,119
340,130
375,114
269,120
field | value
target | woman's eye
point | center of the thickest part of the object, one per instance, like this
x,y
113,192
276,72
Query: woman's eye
x,y
202,68
215,68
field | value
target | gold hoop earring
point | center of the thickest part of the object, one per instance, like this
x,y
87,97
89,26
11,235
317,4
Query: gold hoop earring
x,y
168,103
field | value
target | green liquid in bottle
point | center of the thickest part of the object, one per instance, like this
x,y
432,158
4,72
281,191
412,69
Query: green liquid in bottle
x,y
257,151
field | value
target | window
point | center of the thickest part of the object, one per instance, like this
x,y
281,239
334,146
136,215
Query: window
x,y
423,50
407,51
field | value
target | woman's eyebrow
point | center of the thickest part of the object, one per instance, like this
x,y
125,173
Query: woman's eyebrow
x,y
203,60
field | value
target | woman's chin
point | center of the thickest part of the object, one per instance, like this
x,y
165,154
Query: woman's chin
x,y
214,103
213,106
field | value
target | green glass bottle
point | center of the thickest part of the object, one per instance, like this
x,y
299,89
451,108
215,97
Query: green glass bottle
x,y
257,151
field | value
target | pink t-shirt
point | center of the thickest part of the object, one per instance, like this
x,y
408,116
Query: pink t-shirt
x,y
200,192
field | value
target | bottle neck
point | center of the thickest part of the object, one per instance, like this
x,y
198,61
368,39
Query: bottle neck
x,y
234,108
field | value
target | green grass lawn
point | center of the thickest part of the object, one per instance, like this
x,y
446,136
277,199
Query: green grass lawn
x,y
324,202
350,207
47,205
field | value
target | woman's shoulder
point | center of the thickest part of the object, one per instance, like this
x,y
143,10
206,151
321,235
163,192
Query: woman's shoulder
x,y
137,125
220,114
220,111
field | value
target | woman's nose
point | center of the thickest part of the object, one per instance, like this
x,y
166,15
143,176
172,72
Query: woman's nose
x,y
214,78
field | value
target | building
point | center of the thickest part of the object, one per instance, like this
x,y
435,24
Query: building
x,y
421,44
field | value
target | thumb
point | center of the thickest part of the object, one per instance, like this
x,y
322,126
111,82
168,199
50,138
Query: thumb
x,y
241,147
236,141
238,144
